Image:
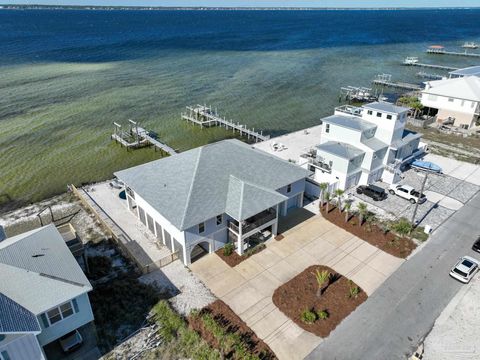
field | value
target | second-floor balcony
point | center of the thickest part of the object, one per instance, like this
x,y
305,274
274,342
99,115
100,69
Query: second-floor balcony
x,y
253,222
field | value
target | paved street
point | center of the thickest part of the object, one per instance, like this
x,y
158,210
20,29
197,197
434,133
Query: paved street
x,y
401,312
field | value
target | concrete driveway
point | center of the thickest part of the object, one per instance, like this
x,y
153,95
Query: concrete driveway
x,y
248,287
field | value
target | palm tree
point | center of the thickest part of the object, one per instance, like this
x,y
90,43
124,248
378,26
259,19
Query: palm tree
x,y
323,187
323,279
327,199
402,227
362,210
348,206
339,193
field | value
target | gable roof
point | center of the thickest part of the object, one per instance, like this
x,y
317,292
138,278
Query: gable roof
x,y
350,122
196,185
465,88
340,149
14,318
386,107
39,271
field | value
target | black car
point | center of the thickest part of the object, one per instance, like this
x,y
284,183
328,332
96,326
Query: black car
x,y
476,245
375,192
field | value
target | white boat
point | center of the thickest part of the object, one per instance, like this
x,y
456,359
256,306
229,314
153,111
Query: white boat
x,y
470,45
410,60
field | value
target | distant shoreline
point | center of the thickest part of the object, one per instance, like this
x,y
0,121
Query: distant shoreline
x,y
205,8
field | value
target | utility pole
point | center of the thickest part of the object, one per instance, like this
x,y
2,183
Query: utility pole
x,y
416,203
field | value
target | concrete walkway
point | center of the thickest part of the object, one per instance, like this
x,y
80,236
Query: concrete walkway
x,y
248,287
403,310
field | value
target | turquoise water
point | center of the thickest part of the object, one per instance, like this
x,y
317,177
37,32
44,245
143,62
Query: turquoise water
x,y
65,76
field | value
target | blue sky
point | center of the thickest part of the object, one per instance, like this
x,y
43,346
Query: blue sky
x,y
274,3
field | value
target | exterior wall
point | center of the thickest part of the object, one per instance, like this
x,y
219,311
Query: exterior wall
x,y
22,347
339,132
460,118
388,130
462,110
295,196
78,319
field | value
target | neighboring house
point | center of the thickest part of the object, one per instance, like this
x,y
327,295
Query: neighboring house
x,y
223,192
43,284
362,145
456,98
469,71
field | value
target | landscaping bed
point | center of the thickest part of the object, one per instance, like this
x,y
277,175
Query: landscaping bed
x,y
231,257
387,241
299,300
221,327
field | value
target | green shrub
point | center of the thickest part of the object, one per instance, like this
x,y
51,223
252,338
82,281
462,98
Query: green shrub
x,y
169,321
323,315
254,250
353,291
308,316
228,249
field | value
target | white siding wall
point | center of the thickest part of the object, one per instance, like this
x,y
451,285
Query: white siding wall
x,y
441,102
22,347
340,133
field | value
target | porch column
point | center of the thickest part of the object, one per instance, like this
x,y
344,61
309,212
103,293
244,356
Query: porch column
x,y
275,226
240,240
301,199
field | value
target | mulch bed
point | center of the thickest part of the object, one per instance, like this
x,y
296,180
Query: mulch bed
x,y
234,259
388,242
300,293
222,313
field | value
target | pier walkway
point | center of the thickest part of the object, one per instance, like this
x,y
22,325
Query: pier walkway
x,y
386,80
205,116
455,53
432,66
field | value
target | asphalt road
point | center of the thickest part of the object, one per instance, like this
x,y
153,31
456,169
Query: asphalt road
x,y
391,323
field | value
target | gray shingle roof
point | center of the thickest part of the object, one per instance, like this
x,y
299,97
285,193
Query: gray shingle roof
x,y
196,185
350,122
39,271
407,137
14,318
385,107
340,149
375,144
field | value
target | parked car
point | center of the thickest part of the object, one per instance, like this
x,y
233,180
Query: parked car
x,y
407,192
71,341
375,192
476,245
465,269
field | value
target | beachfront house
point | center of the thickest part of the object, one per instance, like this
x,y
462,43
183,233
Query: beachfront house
x,y
199,200
468,71
455,100
43,293
362,145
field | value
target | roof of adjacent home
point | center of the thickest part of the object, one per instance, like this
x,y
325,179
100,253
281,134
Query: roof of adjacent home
x,y
385,107
350,122
407,137
39,271
472,70
14,318
224,177
340,149
465,88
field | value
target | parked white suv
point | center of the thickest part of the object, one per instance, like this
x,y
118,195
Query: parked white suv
x,y
407,192
465,269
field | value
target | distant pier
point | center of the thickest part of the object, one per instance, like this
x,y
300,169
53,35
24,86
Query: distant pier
x,y
206,116
386,80
431,66
455,53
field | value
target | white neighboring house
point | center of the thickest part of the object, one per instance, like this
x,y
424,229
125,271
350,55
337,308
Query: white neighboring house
x,y
200,199
43,293
469,71
363,145
457,98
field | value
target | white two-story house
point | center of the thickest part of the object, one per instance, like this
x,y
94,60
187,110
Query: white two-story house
x,y
456,98
218,193
363,145
43,293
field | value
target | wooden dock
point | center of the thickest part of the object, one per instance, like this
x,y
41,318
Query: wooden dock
x,y
433,66
206,116
455,53
138,137
386,80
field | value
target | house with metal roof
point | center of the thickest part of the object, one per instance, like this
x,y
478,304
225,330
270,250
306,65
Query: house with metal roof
x,y
455,100
201,199
468,71
362,145
43,293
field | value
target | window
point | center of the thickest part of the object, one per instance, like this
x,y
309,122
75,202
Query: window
x,y
289,188
4,355
451,100
370,112
379,114
219,220
201,228
59,313
2,337
389,117
464,126
327,128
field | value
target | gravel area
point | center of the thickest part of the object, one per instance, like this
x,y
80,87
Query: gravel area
x,y
187,291
456,334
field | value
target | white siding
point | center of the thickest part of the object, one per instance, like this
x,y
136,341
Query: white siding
x,y
22,347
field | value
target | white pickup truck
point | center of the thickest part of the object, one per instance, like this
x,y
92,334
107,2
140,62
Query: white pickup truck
x,y
407,192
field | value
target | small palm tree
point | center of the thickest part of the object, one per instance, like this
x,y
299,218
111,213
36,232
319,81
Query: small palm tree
x,y
402,227
323,187
327,199
338,194
323,279
348,206
362,210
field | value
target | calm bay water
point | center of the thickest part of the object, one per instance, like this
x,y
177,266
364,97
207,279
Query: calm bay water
x,y
65,76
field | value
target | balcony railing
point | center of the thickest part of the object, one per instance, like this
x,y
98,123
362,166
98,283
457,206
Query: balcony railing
x,y
254,222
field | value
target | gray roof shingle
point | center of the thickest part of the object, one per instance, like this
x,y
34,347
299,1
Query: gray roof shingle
x,y
196,185
39,271
385,107
350,122
340,149
14,318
